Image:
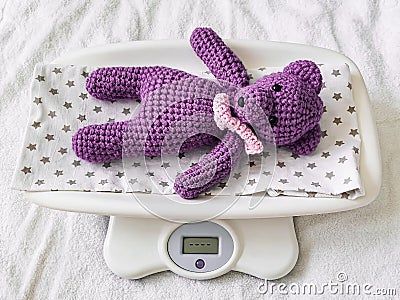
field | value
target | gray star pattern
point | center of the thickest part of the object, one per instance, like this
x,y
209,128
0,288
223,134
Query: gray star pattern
x,y
89,174
329,175
298,174
53,91
81,118
63,151
339,143
57,70
337,121
237,175
316,184
280,164
133,181
49,137
40,78
337,96
251,182
52,114
325,154
120,174
66,128
70,83
27,170
107,165
31,147
67,105
36,125
58,173
353,132
37,100
351,109
103,182
222,185
76,163
83,96
45,160
39,182
311,165
347,180
126,111
97,109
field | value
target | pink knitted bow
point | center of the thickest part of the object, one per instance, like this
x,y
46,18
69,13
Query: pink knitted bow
x,y
224,119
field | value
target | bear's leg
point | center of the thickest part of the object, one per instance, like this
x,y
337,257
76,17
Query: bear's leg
x,y
99,142
307,143
115,83
212,169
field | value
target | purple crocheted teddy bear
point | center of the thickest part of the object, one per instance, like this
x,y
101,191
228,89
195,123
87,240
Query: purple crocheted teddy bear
x,y
287,100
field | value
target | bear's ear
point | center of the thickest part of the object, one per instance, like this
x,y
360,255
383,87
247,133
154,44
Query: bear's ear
x,y
308,71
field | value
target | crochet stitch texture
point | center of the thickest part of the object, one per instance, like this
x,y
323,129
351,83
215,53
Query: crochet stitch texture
x,y
176,113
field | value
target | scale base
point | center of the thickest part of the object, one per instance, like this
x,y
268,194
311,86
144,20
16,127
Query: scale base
x,y
264,248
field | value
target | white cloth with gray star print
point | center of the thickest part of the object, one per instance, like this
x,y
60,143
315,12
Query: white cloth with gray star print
x,y
60,105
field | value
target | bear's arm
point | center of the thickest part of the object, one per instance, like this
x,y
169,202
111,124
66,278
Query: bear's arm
x,y
212,169
218,57
307,143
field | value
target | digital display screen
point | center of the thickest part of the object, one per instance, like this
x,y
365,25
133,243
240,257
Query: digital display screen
x,y
200,245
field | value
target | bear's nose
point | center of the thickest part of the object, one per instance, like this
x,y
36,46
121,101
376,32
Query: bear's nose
x,y
241,101
273,120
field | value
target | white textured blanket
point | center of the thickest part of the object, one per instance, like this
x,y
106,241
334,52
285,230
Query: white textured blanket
x,y
47,254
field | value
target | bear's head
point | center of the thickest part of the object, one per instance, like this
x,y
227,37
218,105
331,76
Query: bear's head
x,y
288,100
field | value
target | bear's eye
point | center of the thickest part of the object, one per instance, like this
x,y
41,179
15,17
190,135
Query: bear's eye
x,y
276,87
273,120
241,101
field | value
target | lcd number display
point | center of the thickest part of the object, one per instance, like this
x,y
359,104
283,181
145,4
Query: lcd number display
x,y
200,245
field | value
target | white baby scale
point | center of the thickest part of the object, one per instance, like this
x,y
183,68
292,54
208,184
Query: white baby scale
x,y
260,241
